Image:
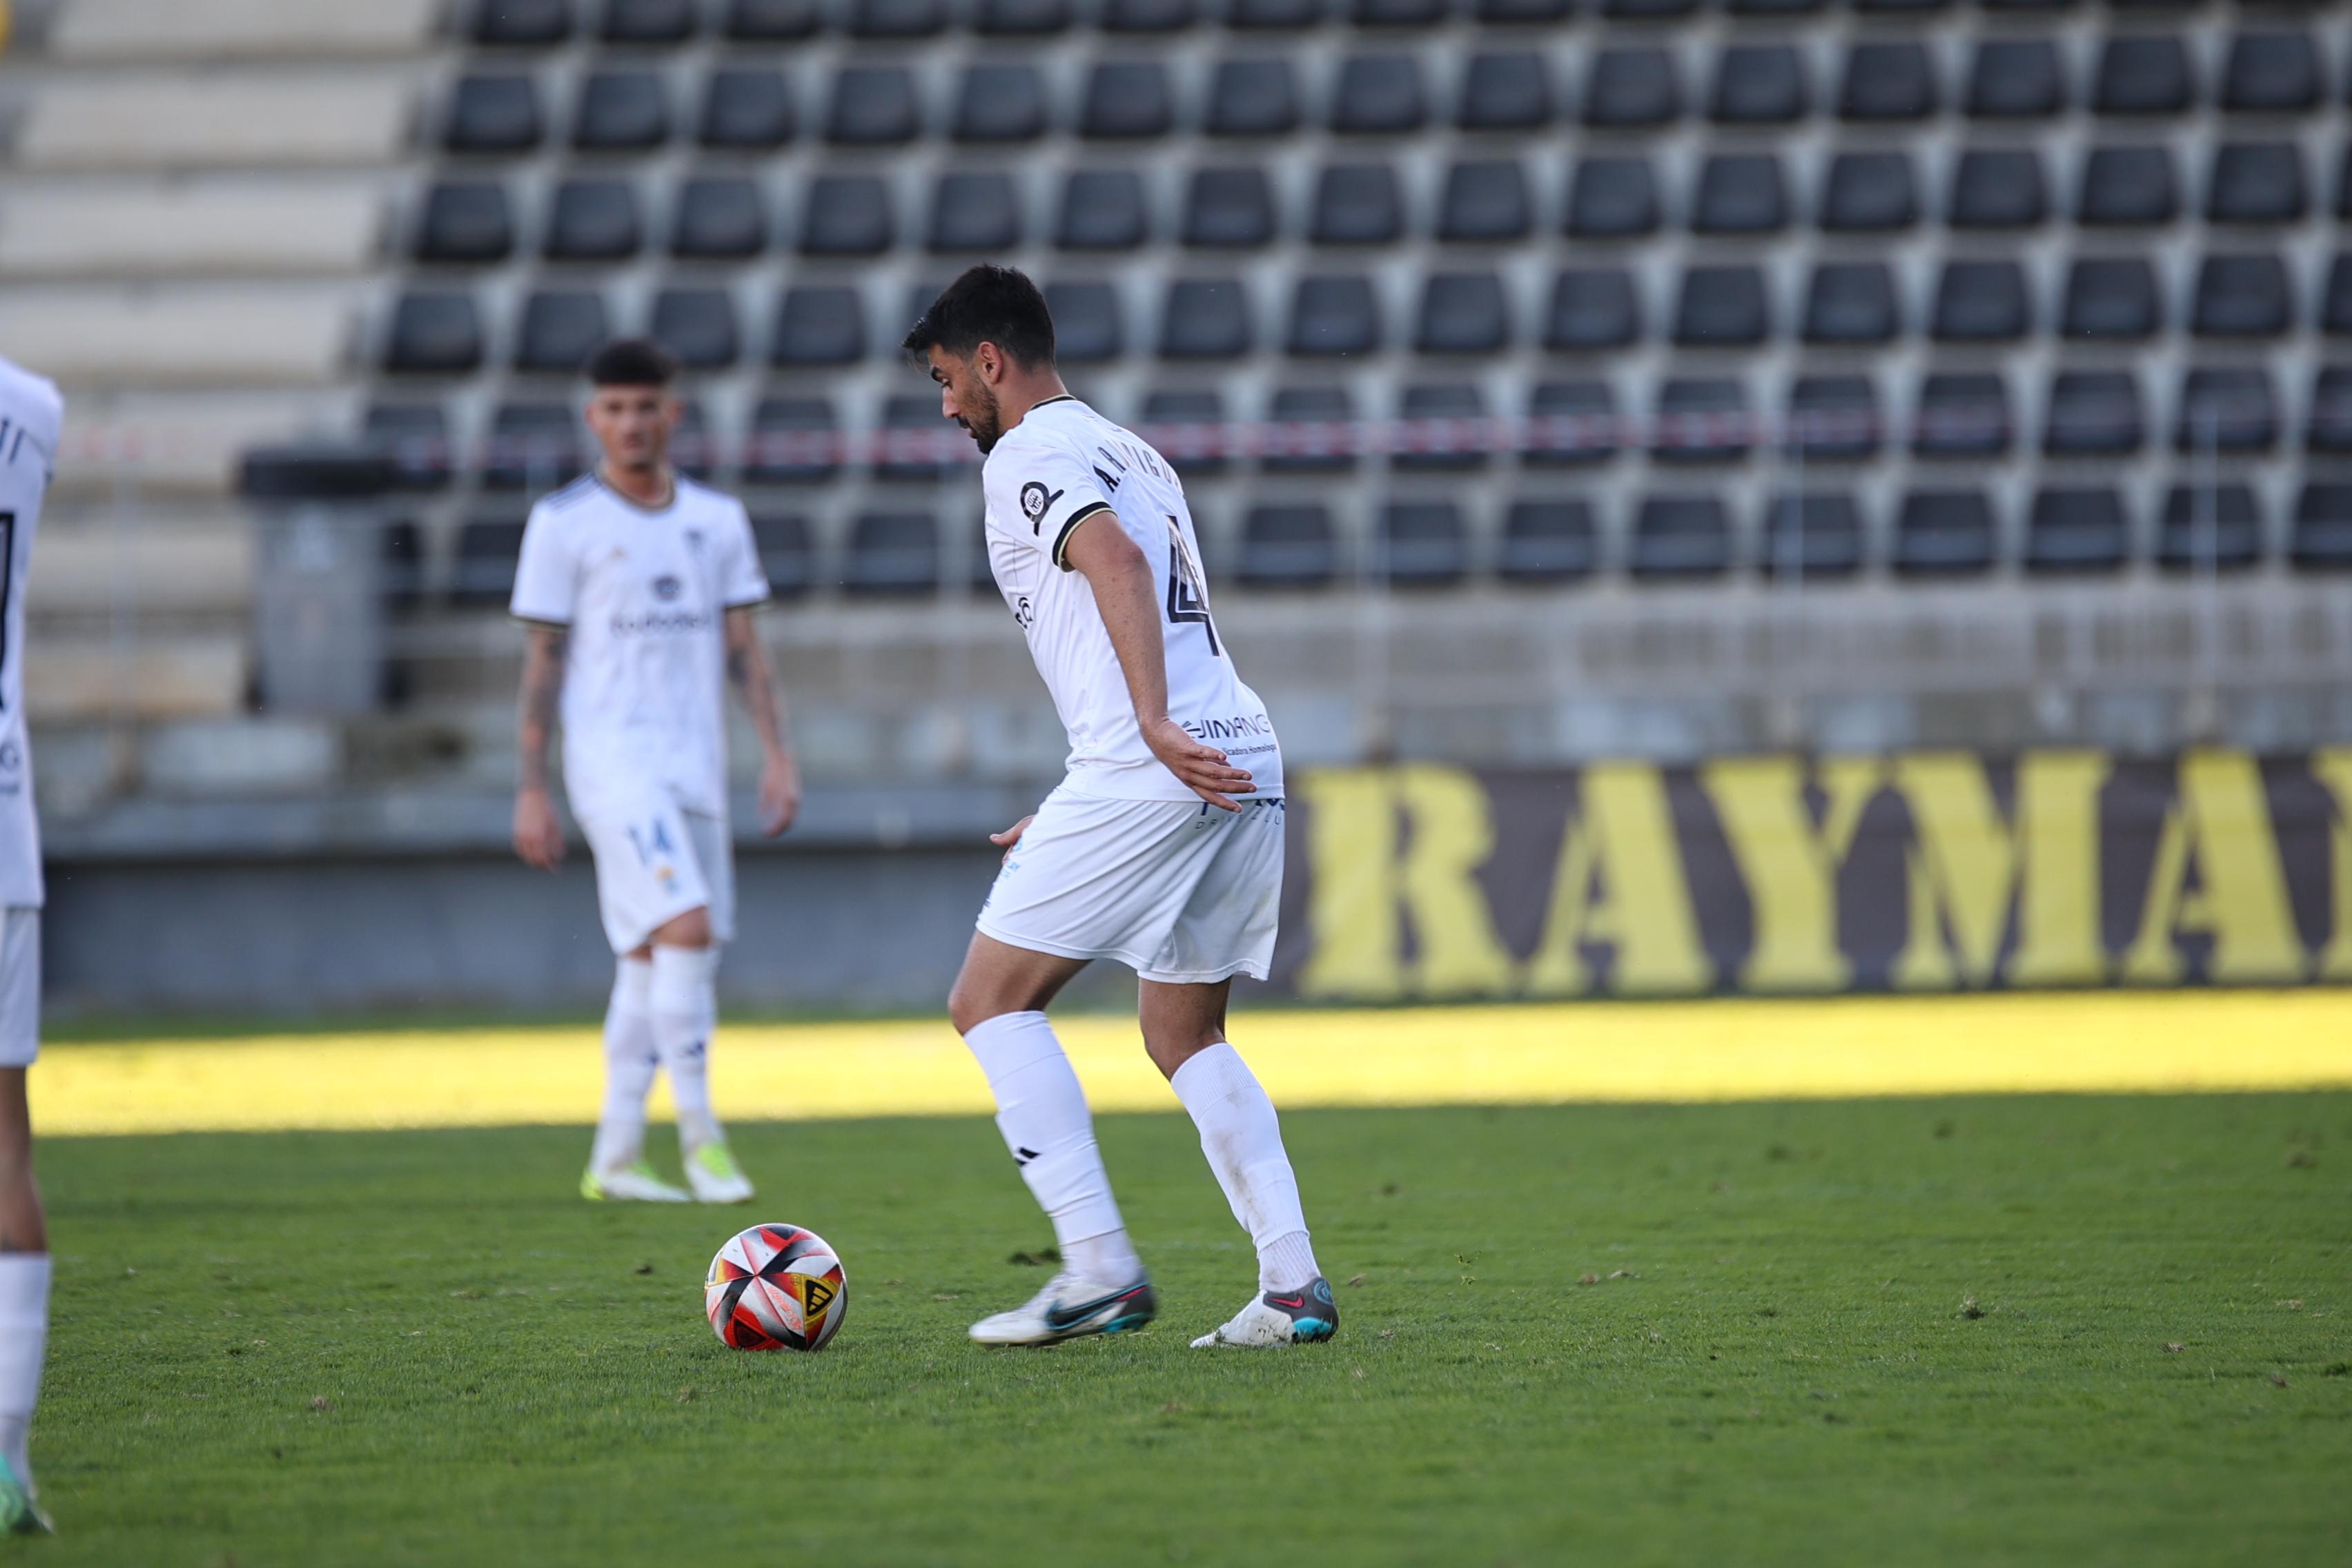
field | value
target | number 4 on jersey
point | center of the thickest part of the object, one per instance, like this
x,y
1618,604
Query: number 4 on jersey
x,y
1187,594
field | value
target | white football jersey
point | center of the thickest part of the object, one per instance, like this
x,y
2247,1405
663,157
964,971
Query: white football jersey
x,y
645,595
31,416
1061,465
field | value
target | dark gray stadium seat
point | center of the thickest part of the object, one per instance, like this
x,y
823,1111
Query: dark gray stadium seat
x,y
2329,428
1379,95
1485,200
896,18
2016,79
699,326
1504,91
2321,540
1274,15
1186,426
2240,296
1309,430
747,109
1334,315
561,328
2234,408
493,113
2335,296
2128,186
465,221
1570,423
1680,536
620,112
521,24
873,106
1811,536
648,22
2139,74
1252,98
2257,182
482,576
1613,197
1630,86
1019,18
1997,187
1356,204
1886,80
1422,544
771,21
2270,73
1287,547
1205,317
1089,325
1647,10
1702,420
1444,428
793,441
2076,529
593,220
973,210
2111,297
1721,307
718,217
892,554
1758,84
999,102
1463,313
1229,208
533,446
787,552
401,562
819,325
1834,417
1127,100
1592,308
847,215
435,332
1944,534
1520,12
1852,302
1547,541
1961,414
1102,209
2220,530
910,444
1399,12
1982,301
1148,16
1869,193
1773,8
2094,414
415,437
1740,192
2344,184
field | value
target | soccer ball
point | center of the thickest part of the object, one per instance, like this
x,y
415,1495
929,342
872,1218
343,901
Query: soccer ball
x,y
776,1287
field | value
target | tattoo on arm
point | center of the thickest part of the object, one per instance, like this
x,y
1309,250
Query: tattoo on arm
x,y
542,686
755,677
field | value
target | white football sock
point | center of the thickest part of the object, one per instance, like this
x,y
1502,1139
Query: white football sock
x,y
1042,1113
24,1335
684,1003
630,1061
1242,1139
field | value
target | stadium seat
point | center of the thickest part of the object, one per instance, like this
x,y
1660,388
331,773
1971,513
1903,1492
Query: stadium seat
x,y
699,326
1088,324
1504,91
2329,428
1520,12
2322,540
648,22
482,575
1852,302
2111,297
1484,200
896,18
892,554
2232,408
1962,413
2141,75
2343,185
1547,541
974,211
1943,533
793,441
771,21
2128,186
2221,530
1309,430
1399,12
1869,193
1758,84
415,437
1630,86
521,24
1379,95
1252,98
1356,204
1613,197
1463,313
1740,192
2075,531
1887,80
401,562
2240,296
1268,15
1721,307
1422,544
1773,8
1334,315
908,434
1997,188
719,218
1148,16
847,215
1127,100
593,220
819,325
873,106
1102,209
465,221
2270,73
2016,79
534,447
435,332
2256,181
1701,419
1592,308
2094,414
692,447
1205,317
1570,423
561,328
1809,536
999,102
1019,18
748,111
1680,536
1230,208
1187,427
620,112
1834,417
1287,547
1647,10
2335,297
1982,301
787,553
1446,428
494,114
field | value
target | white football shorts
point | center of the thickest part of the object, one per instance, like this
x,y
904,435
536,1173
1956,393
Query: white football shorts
x,y
20,988
1181,893
654,861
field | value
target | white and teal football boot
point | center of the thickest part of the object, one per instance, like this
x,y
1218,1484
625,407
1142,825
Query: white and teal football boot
x,y
20,1514
1301,1317
1071,1307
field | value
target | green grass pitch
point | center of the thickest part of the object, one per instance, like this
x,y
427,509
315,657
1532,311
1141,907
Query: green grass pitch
x,y
2068,1330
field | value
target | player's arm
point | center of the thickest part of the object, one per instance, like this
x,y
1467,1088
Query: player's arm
x,y
538,833
754,675
1113,565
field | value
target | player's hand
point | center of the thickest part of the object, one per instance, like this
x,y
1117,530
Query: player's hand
x,y
538,834
1204,769
780,794
1011,836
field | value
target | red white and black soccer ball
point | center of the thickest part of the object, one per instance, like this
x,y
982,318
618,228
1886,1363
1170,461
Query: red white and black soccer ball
x,y
776,1287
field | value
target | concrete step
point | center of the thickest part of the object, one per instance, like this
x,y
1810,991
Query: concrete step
x,y
111,30
154,229
200,564
193,334
245,118
144,445
90,677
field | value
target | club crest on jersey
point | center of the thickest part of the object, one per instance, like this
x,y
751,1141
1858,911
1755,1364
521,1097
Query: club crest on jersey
x,y
1035,500
666,587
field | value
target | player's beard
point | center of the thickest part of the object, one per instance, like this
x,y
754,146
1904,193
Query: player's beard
x,y
981,419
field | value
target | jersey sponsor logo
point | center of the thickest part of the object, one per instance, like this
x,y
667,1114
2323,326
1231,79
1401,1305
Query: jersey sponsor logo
x,y
661,623
1035,500
1239,727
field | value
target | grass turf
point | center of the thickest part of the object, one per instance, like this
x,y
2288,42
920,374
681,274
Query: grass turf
x,y
2078,1329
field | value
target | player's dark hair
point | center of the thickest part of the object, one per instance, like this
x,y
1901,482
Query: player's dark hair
x,y
631,362
987,305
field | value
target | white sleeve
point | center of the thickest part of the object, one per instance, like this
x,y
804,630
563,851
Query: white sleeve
x,y
742,582
1039,493
547,575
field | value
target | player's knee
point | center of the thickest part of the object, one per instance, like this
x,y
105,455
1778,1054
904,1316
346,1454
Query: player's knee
x,y
691,929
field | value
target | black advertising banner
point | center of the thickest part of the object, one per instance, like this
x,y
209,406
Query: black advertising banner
x,y
1918,871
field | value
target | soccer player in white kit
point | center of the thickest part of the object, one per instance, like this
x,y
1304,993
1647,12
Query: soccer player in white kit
x,y
1162,848
639,587
31,414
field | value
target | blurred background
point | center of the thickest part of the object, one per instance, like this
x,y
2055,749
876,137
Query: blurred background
x,y
1555,382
